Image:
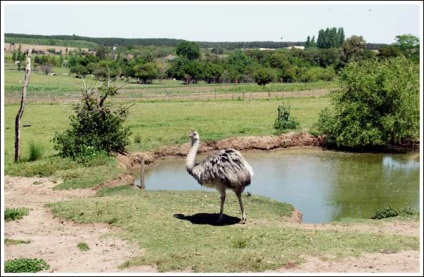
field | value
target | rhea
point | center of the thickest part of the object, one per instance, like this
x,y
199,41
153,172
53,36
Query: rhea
x,y
224,170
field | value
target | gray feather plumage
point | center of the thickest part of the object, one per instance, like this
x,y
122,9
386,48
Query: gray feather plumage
x,y
225,167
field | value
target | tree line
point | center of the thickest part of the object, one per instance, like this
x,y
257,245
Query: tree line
x,y
90,42
189,62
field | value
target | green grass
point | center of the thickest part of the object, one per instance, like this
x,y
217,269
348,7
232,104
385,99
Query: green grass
x,y
11,214
165,123
160,222
83,246
25,265
15,241
35,152
65,85
83,177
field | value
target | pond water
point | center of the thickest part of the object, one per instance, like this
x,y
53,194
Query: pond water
x,y
323,185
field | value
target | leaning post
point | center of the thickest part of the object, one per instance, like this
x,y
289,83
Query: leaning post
x,y
22,106
142,183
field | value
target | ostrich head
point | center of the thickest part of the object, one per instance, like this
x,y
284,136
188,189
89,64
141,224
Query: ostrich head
x,y
194,136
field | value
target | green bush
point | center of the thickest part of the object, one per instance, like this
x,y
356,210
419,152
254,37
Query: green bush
x,y
392,212
11,214
96,128
25,265
377,105
385,213
284,121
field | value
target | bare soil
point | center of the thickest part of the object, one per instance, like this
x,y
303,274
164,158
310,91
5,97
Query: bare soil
x,y
55,240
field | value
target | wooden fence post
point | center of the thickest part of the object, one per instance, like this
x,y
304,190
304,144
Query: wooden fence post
x,y
22,107
142,183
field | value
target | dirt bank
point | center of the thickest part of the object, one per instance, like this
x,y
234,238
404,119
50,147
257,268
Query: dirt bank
x,y
248,143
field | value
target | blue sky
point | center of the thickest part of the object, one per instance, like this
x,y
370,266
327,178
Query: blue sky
x,y
377,22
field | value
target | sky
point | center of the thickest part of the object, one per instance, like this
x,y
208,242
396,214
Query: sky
x,y
215,21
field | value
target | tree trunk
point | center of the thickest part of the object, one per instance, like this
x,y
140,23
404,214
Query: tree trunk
x,y
21,108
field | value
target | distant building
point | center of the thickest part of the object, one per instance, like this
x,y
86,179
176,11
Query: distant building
x,y
296,47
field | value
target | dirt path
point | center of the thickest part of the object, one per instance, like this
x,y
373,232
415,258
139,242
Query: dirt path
x,y
55,240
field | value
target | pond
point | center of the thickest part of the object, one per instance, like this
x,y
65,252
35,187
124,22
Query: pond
x,y
323,185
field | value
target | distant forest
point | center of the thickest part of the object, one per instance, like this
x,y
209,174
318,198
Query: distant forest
x,y
89,42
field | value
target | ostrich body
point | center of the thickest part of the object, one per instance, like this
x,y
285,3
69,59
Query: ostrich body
x,y
226,169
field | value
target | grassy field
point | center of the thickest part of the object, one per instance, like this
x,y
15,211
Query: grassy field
x,y
165,123
176,230
63,86
156,116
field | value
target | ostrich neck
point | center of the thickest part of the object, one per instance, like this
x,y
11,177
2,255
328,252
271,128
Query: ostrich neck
x,y
191,157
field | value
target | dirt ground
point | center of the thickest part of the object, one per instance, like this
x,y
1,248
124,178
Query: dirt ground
x,y
55,240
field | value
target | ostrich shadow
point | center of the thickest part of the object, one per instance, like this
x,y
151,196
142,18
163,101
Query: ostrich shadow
x,y
211,219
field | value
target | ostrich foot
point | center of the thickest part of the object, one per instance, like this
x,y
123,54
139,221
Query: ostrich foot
x,y
243,221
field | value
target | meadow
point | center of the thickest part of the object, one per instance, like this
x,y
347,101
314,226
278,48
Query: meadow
x,y
154,220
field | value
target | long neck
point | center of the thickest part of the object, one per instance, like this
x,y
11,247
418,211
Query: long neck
x,y
191,157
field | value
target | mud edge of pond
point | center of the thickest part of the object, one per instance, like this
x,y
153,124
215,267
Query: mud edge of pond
x,y
248,143
132,160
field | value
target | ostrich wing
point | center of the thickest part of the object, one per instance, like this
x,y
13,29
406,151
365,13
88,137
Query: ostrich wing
x,y
226,167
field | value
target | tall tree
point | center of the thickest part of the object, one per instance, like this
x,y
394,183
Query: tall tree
x,y
189,50
308,42
341,37
330,38
353,49
408,45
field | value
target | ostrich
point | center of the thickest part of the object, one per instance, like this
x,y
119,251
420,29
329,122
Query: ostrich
x,y
226,169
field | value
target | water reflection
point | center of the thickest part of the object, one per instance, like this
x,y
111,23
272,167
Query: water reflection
x,y
323,185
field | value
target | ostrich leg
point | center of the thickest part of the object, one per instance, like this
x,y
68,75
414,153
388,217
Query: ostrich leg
x,y
221,211
243,214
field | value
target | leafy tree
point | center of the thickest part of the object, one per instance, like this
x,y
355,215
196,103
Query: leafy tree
x,y
237,64
192,71
212,72
308,42
328,57
79,70
97,126
279,60
101,52
377,105
389,51
330,38
146,72
264,76
353,49
409,46
313,42
340,37
189,50
105,69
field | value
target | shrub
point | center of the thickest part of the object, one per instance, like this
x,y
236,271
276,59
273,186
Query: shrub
x,y
284,121
96,128
377,105
385,213
25,265
392,212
